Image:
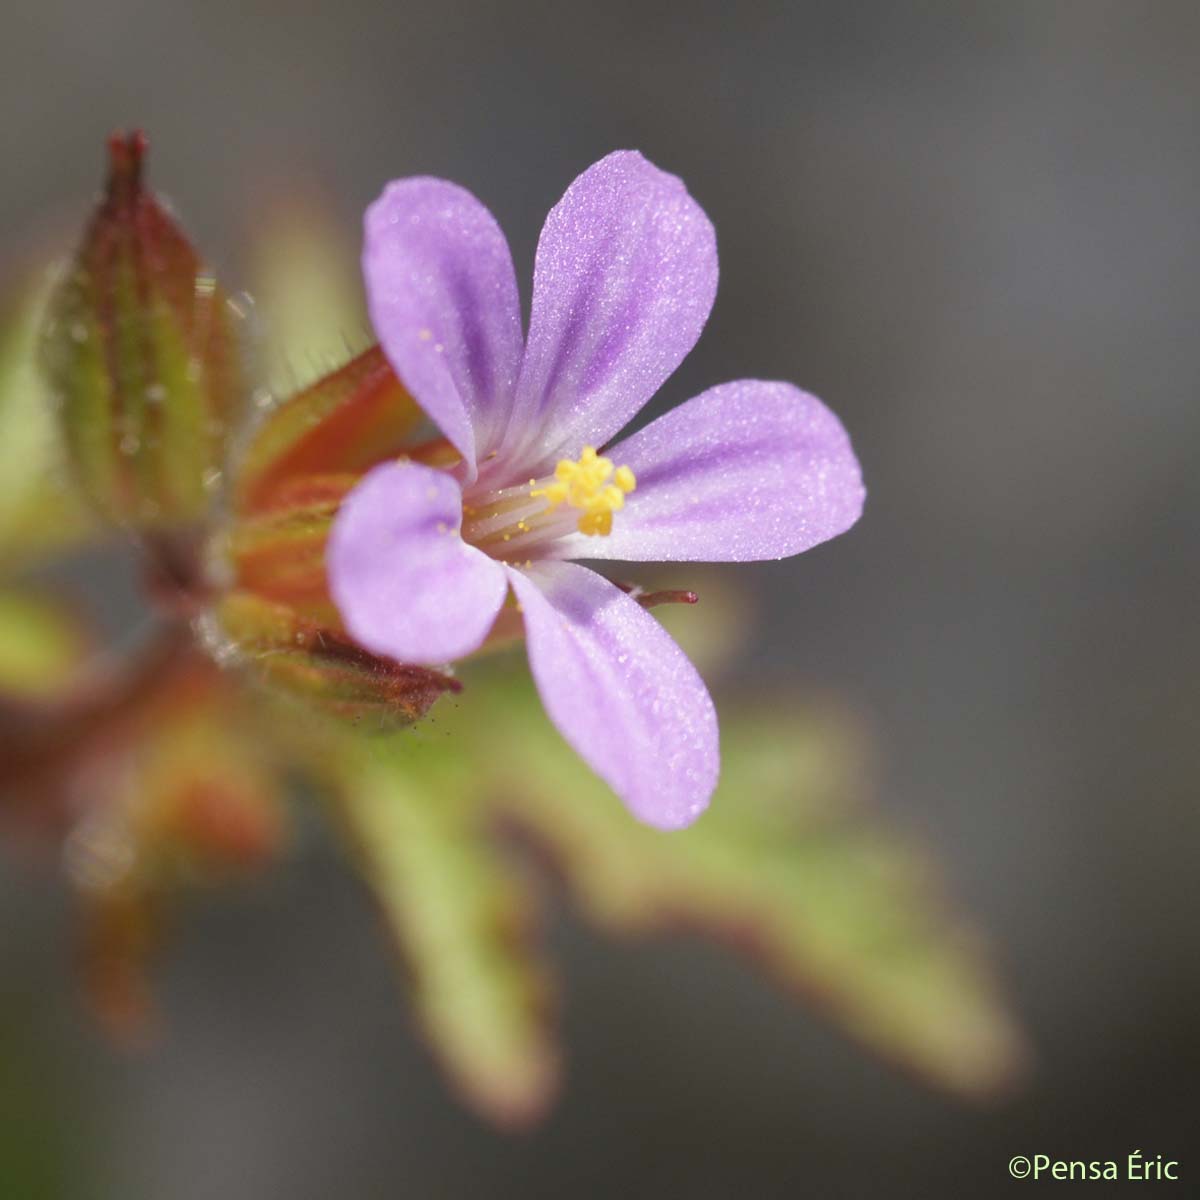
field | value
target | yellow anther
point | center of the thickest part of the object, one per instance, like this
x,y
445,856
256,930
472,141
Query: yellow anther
x,y
585,485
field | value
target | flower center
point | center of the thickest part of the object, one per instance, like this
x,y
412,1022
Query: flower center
x,y
585,485
511,522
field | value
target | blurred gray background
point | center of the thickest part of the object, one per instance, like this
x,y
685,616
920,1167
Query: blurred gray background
x,y
974,230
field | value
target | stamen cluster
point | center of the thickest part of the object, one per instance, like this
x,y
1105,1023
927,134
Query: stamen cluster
x,y
584,485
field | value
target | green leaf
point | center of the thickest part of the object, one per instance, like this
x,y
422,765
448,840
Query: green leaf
x,y
789,866
462,918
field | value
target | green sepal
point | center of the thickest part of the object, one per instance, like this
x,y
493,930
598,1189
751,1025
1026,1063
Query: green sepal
x,y
40,513
320,666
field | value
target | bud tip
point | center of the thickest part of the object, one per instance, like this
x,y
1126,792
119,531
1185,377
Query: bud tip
x,y
126,154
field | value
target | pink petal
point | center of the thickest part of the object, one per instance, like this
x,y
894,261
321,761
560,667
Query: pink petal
x,y
406,584
443,300
624,279
621,692
744,471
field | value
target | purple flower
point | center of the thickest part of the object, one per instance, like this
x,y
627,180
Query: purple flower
x,y
421,558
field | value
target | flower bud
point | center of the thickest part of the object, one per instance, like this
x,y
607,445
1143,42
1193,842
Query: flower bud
x,y
142,359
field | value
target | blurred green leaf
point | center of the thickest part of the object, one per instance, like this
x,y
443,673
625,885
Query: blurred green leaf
x,y
462,918
42,644
789,866
306,280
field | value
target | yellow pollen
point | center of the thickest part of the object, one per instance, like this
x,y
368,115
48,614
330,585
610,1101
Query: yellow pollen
x,y
590,485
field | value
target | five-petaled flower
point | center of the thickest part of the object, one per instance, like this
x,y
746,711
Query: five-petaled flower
x,y
423,553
